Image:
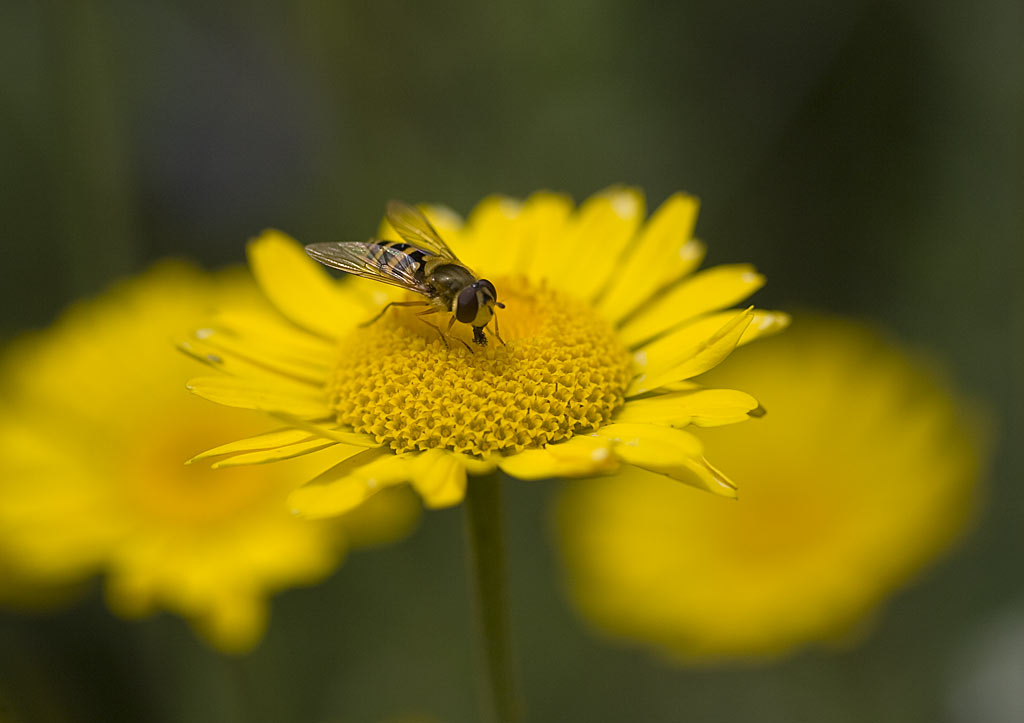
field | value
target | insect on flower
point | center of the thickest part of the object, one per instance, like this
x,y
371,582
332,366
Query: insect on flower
x,y
423,263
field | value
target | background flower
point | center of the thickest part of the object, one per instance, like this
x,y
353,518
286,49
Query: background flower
x,y
863,471
95,426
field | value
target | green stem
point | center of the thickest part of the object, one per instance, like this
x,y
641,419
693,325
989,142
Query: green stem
x,y
485,530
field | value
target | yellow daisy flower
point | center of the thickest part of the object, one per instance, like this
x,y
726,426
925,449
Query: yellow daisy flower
x,y
863,471
94,426
605,324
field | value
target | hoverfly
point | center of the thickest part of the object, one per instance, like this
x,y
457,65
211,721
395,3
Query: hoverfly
x,y
424,264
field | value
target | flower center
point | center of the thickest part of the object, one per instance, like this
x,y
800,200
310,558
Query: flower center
x,y
562,371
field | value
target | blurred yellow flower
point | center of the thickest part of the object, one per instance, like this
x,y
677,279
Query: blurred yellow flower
x,y
863,471
605,325
94,426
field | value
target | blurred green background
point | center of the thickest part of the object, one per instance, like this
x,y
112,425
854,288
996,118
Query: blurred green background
x,y
865,155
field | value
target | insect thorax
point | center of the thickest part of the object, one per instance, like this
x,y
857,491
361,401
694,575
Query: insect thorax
x,y
448,280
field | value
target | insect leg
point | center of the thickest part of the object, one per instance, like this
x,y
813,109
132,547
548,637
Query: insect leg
x,y
451,323
436,327
394,303
496,334
434,310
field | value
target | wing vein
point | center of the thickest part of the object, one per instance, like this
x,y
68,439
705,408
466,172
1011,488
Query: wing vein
x,y
372,260
413,226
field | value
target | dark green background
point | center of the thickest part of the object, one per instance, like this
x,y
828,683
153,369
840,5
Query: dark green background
x,y
865,155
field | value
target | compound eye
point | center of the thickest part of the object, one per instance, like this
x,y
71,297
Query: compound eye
x,y
466,305
488,288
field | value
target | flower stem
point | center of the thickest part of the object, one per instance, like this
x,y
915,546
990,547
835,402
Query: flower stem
x,y
485,531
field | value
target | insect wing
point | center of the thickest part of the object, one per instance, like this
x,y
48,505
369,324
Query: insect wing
x,y
413,226
369,260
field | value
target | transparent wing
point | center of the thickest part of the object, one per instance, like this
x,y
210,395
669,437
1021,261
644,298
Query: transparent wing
x,y
371,260
413,226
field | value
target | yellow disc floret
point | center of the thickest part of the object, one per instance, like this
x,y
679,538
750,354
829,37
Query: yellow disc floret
x,y
561,372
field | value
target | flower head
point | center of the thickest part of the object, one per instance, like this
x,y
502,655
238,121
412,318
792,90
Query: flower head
x,y
863,471
94,427
604,324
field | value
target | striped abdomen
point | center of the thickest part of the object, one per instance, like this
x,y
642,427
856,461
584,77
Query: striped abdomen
x,y
400,259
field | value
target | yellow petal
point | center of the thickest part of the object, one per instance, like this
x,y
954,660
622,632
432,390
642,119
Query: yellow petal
x,y
277,454
590,249
269,440
262,394
271,329
344,435
663,241
719,479
478,466
579,457
226,352
764,323
299,287
697,359
699,474
537,228
261,348
667,351
389,516
552,222
671,441
671,452
229,364
706,291
703,407
440,478
233,622
493,244
683,386
345,485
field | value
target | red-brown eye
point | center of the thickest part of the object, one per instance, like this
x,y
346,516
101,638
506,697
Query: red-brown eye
x,y
488,288
466,305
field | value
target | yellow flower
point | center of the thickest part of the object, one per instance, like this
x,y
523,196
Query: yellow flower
x,y
94,426
605,325
863,471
